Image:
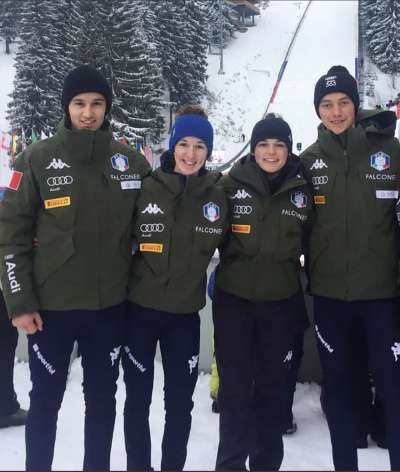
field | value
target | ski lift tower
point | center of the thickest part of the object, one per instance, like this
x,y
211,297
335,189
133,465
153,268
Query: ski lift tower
x,y
221,39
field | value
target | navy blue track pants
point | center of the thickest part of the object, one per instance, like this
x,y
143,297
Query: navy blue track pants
x,y
100,336
337,325
179,338
254,346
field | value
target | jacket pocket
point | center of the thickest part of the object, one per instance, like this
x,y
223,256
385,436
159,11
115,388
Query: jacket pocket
x,y
318,248
50,257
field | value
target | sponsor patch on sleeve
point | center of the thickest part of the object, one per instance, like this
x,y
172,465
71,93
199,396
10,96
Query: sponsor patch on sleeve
x,y
319,199
15,180
387,194
131,184
244,229
151,247
57,202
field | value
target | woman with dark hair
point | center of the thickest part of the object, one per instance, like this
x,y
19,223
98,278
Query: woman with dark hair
x,y
180,221
258,306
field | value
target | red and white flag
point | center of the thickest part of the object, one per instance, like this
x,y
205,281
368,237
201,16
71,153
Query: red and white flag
x,y
15,180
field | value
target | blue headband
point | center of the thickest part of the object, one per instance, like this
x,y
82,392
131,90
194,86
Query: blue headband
x,y
196,126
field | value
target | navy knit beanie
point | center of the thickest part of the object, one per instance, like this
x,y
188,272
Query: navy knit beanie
x,y
85,79
337,79
271,127
193,125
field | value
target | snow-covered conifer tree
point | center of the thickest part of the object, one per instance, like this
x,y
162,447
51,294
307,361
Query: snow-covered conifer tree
x,y
35,100
135,71
9,18
381,25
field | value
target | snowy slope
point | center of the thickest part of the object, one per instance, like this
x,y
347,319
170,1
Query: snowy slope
x,y
251,65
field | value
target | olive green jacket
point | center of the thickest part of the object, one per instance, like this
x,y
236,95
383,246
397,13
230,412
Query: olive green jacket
x,y
260,259
178,227
355,239
75,192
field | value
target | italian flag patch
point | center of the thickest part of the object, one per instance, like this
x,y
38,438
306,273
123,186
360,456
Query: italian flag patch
x,y
15,180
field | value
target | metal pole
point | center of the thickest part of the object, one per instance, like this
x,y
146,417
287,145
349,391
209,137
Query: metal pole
x,y
221,39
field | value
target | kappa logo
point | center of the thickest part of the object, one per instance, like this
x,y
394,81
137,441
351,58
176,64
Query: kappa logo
x,y
192,363
211,212
241,194
380,161
318,164
396,351
299,199
152,209
114,354
57,164
120,162
288,357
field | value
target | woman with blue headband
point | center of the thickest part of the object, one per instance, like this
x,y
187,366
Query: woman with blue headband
x,y
179,222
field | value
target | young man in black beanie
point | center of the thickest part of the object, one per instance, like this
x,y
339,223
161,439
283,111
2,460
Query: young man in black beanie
x,y
75,193
258,305
354,251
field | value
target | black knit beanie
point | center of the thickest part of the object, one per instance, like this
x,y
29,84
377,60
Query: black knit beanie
x,y
85,79
271,127
337,79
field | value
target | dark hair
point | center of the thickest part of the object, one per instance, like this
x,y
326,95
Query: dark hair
x,y
272,115
191,110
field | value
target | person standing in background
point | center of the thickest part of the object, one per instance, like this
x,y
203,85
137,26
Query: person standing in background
x,y
11,414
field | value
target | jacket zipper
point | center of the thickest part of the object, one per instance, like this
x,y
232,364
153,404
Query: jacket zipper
x,y
346,174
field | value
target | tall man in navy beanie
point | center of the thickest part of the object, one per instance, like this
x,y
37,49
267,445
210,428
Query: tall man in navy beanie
x,y
75,193
354,167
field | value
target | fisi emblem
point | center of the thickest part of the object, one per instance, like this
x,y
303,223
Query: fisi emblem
x,y
299,199
380,161
120,162
211,212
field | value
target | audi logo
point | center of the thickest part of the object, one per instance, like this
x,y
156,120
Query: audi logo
x,y
320,180
242,209
152,228
62,180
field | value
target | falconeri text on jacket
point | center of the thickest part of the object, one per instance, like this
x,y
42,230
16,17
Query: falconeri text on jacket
x,y
75,193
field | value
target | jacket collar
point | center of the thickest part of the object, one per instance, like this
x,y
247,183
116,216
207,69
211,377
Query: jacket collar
x,y
247,172
85,145
194,185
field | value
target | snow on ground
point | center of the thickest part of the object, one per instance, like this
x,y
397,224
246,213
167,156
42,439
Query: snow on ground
x,y
308,449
